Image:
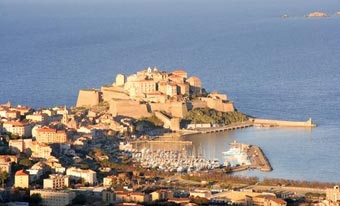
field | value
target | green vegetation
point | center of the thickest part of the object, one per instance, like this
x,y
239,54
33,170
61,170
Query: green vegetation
x,y
206,116
223,179
3,177
79,199
35,198
26,162
153,120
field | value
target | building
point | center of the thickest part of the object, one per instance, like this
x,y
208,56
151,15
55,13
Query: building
x,y
21,179
38,117
56,181
41,150
37,170
244,197
21,129
274,202
6,163
195,85
12,114
51,136
108,196
55,197
20,145
201,193
88,175
333,195
161,195
109,180
124,196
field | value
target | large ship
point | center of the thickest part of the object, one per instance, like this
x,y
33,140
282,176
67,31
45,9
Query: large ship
x,y
236,155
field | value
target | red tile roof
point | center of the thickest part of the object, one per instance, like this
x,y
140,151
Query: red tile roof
x,y
21,173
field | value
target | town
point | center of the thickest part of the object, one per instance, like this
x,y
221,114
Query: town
x,y
91,154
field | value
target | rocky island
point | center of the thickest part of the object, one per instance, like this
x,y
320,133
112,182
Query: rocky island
x,y
317,14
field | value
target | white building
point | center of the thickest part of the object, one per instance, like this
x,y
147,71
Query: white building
x,y
88,175
56,181
55,197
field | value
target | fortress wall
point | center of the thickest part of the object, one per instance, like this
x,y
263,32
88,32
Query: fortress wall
x,y
282,123
164,119
109,93
129,108
228,106
172,123
198,104
218,104
176,109
88,98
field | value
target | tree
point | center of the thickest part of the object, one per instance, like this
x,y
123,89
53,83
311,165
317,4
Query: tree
x,y
26,162
3,177
35,198
79,199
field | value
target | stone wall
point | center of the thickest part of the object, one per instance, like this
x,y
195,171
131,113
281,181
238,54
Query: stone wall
x,y
88,98
109,93
172,123
219,105
176,109
129,108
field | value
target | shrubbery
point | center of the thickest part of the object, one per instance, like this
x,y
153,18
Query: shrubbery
x,y
206,116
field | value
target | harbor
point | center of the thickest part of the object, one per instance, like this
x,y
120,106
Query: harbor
x,y
181,156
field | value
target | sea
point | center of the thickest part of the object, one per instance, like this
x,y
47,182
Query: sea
x,y
271,67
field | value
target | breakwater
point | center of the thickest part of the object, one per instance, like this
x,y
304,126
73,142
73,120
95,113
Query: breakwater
x,y
250,123
283,123
258,159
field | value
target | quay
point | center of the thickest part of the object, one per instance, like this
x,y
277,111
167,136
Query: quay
x,y
229,127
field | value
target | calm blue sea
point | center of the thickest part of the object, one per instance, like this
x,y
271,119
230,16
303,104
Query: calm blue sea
x,y
271,67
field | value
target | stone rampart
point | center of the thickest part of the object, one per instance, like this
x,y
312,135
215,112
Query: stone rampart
x,y
109,93
129,108
88,98
219,104
172,123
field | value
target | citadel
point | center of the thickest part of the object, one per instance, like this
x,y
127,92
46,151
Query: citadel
x,y
149,92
